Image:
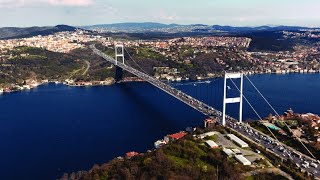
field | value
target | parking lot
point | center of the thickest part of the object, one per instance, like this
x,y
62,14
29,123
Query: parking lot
x,y
226,143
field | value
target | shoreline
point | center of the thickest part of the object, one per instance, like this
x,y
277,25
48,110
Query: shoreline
x,y
135,79
61,86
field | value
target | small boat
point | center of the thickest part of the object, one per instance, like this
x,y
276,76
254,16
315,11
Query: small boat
x,y
228,87
208,82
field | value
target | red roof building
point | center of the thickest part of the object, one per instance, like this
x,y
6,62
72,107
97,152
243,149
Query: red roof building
x,y
175,136
131,154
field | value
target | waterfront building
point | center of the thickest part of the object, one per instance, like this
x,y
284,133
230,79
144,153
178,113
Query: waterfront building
x,y
173,137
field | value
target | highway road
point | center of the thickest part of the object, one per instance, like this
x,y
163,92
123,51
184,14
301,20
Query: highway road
x,y
272,145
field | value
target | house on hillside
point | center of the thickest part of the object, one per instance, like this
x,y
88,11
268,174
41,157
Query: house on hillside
x,y
173,137
131,154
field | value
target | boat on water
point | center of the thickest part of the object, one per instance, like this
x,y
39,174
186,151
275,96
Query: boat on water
x,y
1,91
208,82
228,87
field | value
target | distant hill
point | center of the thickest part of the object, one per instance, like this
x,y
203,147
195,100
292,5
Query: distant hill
x,y
259,28
14,32
144,25
152,26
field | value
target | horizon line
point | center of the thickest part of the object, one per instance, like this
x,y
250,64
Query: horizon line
x,y
136,22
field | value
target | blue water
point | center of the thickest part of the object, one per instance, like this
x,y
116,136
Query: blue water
x,y
55,129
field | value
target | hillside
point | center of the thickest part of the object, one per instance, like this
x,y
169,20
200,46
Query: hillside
x,y
25,63
15,32
187,158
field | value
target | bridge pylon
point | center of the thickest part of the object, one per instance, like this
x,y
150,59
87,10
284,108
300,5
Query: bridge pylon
x,y
119,52
232,100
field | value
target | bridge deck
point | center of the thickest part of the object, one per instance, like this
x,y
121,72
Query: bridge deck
x,y
192,102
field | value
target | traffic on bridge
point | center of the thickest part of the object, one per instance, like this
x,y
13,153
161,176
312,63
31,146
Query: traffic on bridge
x,y
285,152
192,102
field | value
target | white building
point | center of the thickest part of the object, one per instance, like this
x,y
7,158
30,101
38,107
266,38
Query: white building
x,y
244,161
228,152
212,144
237,140
159,143
207,134
237,151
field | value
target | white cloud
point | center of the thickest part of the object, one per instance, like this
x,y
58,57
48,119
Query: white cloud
x,y
23,3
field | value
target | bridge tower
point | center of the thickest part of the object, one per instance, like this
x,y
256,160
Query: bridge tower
x,y
119,53
232,100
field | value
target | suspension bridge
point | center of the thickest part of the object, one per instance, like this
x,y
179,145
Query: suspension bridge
x,y
192,102
201,106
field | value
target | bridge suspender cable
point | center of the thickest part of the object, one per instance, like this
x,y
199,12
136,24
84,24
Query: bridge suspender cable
x,y
279,116
231,81
135,61
245,98
273,110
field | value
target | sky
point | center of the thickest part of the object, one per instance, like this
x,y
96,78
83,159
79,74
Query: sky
x,y
23,13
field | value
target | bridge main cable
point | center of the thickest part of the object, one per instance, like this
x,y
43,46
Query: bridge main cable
x,y
192,102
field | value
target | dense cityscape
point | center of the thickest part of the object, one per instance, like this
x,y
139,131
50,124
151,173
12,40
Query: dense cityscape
x,y
185,50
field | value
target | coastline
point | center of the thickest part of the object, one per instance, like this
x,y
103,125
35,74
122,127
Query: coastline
x,y
99,92
18,88
111,81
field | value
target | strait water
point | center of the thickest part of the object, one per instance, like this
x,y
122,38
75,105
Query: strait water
x,y
55,129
